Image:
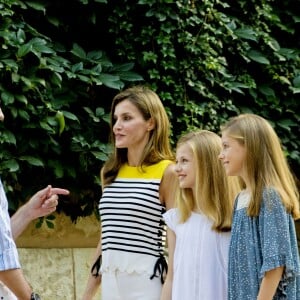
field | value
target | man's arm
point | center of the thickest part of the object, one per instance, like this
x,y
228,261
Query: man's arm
x,y
42,203
15,281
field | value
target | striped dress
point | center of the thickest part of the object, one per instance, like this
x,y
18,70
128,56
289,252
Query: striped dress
x,y
133,230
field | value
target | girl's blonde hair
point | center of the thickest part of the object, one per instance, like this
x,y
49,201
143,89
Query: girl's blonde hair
x,y
265,164
158,147
214,191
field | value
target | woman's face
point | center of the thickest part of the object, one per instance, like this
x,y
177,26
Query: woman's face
x,y
130,129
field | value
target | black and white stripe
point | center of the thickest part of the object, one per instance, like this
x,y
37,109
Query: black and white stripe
x,y
131,217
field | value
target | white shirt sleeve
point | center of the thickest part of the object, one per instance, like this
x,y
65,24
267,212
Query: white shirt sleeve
x,y
9,258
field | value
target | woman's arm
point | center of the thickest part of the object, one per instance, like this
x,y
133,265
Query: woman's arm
x,y
93,282
269,284
168,187
166,293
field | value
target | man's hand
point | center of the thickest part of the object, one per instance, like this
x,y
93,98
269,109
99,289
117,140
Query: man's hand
x,y
41,204
44,202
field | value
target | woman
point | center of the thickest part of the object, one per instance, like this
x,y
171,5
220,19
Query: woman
x,y
137,181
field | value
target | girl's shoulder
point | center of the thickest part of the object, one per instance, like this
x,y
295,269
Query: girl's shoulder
x,y
271,200
172,217
270,195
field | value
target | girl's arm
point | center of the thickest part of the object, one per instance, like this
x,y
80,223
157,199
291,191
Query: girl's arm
x,y
270,283
166,293
93,282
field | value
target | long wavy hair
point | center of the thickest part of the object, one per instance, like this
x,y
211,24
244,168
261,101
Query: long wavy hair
x,y
266,164
214,191
158,147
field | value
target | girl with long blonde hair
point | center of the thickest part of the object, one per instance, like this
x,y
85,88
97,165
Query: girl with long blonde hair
x,y
199,226
263,256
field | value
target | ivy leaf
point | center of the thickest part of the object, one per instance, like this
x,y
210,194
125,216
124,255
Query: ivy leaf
x,y
36,6
111,81
8,137
21,98
246,33
274,45
77,67
24,49
51,217
123,67
267,91
11,165
286,124
10,64
7,98
32,160
130,76
95,55
58,171
100,155
70,116
296,81
258,57
24,114
42,49
56,79
49,224
296,90
21,35
61,121
78,51
289,53
39,223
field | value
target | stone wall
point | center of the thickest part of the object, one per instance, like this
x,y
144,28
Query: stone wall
x,y
57,261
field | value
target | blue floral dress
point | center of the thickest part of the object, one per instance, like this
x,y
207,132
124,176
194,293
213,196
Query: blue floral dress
x,y
262,243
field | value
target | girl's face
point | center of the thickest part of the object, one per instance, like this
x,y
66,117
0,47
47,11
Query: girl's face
x,y
130,129
233,156
185,166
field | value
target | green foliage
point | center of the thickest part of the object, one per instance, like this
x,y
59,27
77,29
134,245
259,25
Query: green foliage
x,y
48,220
52,132
208,60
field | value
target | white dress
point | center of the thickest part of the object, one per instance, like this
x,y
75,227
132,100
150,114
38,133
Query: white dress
x,y
200,258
